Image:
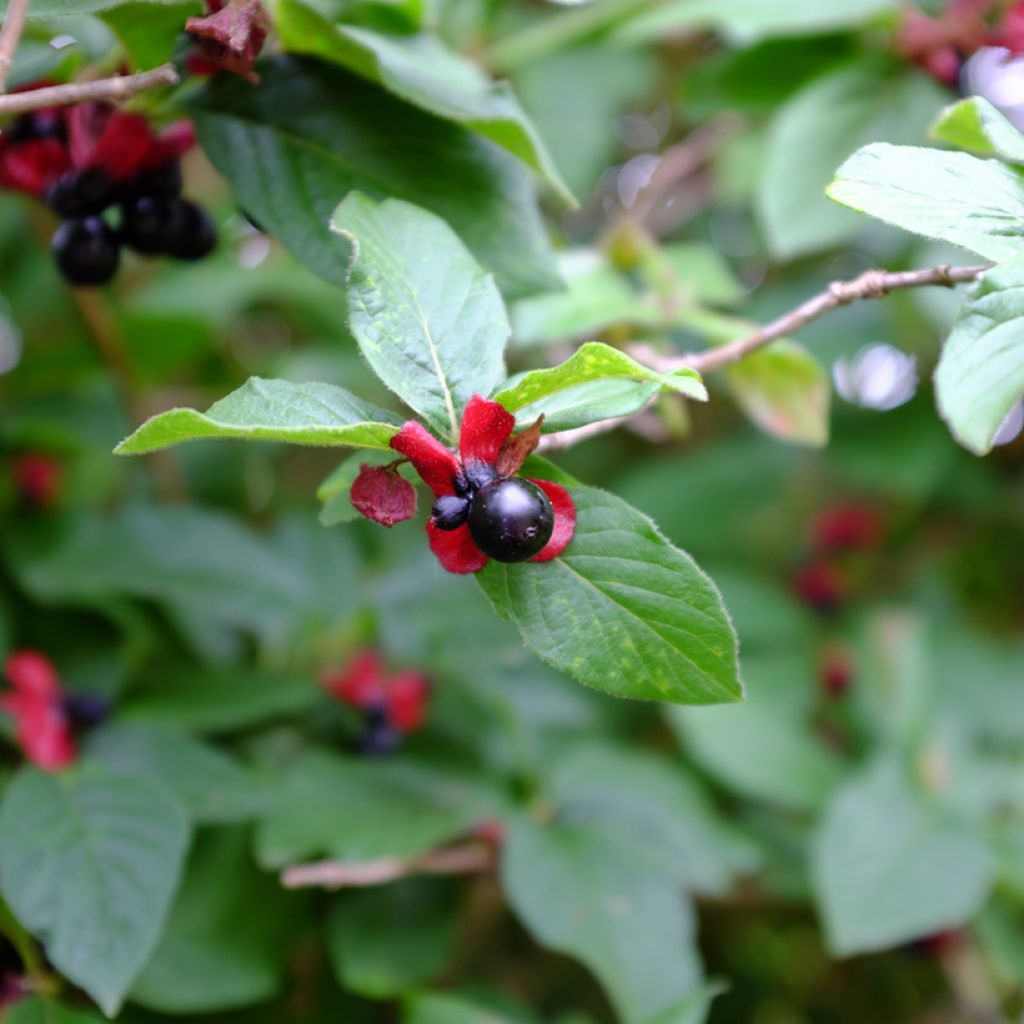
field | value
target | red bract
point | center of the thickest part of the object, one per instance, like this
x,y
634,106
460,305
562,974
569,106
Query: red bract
x,y
230,36
365,685
485,441
85,137
836,672
820,585
849,525
382,495
37,479
939,45
36,705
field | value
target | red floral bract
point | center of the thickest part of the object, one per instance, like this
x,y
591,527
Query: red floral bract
x,y
88,136
230,36
36,704
365,685
485,434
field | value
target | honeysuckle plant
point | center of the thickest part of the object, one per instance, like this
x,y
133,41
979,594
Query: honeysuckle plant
x,y
445,280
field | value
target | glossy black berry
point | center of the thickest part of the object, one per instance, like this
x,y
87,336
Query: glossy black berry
x,y
86,251
147,225
191,234
511,520
160,182
80,193
449,511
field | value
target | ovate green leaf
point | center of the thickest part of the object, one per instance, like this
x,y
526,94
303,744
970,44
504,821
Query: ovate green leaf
x,y
421,70
980,376
622,610
353,809
891,864
430,322
817,130
975,204
387,940
562,395
976,125
272,410
311,133
785,391
595,895
88,863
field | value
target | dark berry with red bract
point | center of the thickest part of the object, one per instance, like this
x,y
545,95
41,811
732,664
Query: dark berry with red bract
x,y
147,225
80,193
191,234
86,250
450,511
511,520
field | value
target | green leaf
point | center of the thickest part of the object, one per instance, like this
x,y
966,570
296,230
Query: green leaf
x,y
386,809
763,748
622,610
785,391
980,376
750,19
891,865
975,204
659,800
816,130
271,410
221,947
212,786
423,71
149,33
63,8
976,125
429,321
37,1010
220,700
435,1008
563,396
292,152
89,862
390,939
186,558
596,895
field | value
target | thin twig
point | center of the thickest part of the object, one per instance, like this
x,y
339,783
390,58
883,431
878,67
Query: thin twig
x,y
9,36
873,284
337,874
120,87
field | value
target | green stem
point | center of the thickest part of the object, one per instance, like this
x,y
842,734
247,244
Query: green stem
x,y
21,941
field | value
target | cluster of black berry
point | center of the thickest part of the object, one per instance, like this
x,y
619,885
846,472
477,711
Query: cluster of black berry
x,y
149,215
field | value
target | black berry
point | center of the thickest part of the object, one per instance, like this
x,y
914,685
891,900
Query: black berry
x,y
160,182
147,225
191,234
379,737
40,124
511,520
449,511
80,193
87,708
86,250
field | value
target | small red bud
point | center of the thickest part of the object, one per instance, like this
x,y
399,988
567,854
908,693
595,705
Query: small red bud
x,y
37,478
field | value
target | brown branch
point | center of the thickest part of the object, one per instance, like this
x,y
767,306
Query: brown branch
x,y
336,874
873,284
120,87
9,36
